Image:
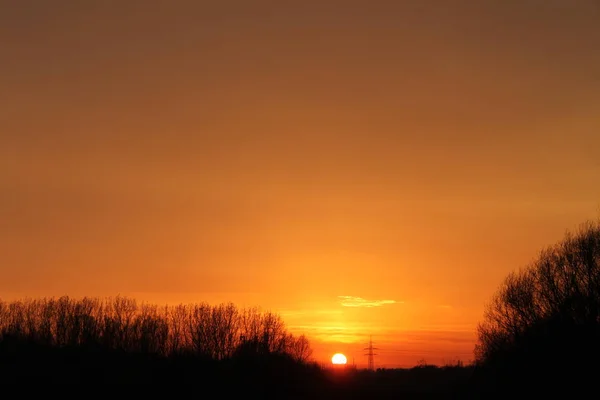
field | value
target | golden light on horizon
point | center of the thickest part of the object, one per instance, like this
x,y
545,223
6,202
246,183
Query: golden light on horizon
x,y
339,359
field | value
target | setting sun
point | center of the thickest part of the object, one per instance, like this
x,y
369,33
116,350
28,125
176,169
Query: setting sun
x,y
338,358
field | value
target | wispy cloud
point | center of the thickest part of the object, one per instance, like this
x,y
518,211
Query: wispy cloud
x,y
309,312
353,301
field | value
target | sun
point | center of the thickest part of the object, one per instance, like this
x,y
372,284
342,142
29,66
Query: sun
x,y
338,358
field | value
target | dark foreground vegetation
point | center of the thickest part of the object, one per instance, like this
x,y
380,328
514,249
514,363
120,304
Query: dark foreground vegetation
x,y
540,335
117,340
541,331
200,349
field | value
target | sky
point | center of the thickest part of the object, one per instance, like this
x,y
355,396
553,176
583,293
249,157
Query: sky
x,y
364,168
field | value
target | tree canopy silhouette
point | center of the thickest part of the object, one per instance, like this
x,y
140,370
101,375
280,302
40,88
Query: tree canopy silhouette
x,y
212,331
544,319
120,340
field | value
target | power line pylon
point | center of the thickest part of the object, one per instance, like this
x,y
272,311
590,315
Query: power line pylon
x,y
371,354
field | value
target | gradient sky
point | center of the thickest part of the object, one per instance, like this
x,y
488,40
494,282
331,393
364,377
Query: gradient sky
x,y
361,167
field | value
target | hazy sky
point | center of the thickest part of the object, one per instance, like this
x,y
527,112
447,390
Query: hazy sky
x,y
285,153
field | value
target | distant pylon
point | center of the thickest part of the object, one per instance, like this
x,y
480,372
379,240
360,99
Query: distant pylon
x,y
371,354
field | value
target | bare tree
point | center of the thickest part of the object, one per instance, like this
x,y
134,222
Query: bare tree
x,y
549,312
299,348
214,332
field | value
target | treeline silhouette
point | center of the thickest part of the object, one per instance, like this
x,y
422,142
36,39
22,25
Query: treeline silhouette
x,y
210,332
118,340
541,330
209,350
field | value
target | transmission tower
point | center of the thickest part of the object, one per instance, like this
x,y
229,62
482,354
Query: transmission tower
x,y
371,354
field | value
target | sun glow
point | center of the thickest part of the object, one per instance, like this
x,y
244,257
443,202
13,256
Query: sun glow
x,y
338,358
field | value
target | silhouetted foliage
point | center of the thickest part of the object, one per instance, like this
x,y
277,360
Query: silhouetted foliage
x,y
121,324
216,351
543,325
117,340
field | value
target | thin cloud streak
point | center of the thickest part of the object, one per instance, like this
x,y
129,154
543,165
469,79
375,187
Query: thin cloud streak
x,y
353,301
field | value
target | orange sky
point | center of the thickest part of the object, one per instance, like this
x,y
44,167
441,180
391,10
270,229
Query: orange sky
x,y
284,154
